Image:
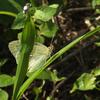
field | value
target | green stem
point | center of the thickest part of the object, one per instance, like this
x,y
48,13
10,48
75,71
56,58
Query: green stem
x,y
8,13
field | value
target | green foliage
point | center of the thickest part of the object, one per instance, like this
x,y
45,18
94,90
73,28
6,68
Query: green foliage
x,y
3,95
6,8
6,80
55,78
84,82
50,75
27,42
19,21
33,58
40,39
46,13
37,59
97,44
87,81
38,90
2,62
96,71
96,5
48,29
16,5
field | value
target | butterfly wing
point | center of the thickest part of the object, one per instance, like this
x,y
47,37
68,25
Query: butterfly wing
x,y
38,56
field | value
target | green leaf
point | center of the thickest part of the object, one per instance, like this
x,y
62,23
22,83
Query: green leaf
x,y
40,39
85,82
55,78
19,21
54,6
96,71
97,44
46,13
38,90
2,62
50,75
45,75
48,29
96,3
26,45
3,95
6,80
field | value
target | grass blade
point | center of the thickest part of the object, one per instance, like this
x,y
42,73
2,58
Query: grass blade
x,y
53,58
16,5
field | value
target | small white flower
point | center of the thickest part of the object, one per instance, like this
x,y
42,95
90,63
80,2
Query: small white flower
x,y
26,7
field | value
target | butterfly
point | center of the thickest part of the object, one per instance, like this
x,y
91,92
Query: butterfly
x,y
40,53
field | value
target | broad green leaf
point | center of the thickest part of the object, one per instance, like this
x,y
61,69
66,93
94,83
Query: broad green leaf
x,y
3,95
19,21
85,82
6,80
96,71
38,56
46,13
48,29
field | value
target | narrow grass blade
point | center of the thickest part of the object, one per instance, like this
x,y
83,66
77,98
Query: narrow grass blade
x,y
16,5
53,58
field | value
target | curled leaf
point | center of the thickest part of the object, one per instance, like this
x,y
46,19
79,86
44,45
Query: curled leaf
x,y
85,82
